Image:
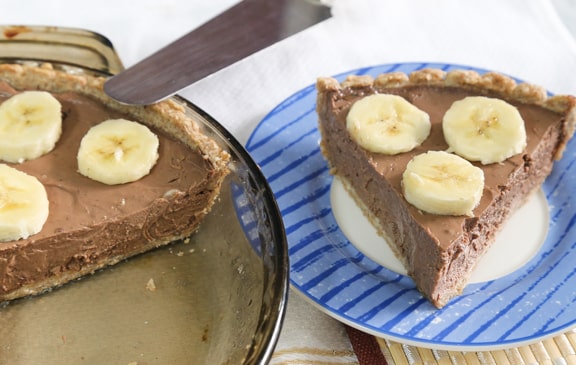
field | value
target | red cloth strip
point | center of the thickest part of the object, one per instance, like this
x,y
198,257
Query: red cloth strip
x,y
366,347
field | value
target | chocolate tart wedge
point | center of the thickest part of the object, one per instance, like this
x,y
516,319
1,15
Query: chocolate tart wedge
x,y
92,225
440,251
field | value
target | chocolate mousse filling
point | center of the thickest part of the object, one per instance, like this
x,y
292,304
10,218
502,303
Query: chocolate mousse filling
x,y
91,224
440,251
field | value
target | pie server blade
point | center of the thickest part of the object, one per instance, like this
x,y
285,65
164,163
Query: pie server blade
x,y
238,32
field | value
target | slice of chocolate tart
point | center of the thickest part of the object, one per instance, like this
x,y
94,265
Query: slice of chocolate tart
x,y
146,177
438,161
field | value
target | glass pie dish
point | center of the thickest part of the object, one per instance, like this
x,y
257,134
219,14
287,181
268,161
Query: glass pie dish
x,y
222,292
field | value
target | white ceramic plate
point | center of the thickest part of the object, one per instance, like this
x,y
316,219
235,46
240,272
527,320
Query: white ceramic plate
x,y
523,291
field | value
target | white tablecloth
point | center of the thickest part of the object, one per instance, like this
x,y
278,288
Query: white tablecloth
x,y
525,38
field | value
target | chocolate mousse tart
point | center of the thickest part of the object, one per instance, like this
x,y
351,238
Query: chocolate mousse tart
x,y
99,181
439,160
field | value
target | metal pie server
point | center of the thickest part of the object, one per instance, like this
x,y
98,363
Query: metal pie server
x,y
238,32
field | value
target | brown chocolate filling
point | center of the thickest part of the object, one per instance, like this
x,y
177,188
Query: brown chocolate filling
x,y
438,251
92,224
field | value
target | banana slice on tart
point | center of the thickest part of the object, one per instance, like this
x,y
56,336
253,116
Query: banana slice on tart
x,y
439,182
23,204
388,124
30,126
117,151
484,129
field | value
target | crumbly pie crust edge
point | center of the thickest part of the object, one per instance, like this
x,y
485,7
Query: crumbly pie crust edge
x,y
488,83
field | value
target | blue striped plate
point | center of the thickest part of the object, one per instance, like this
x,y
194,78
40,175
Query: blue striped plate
x,y
532,302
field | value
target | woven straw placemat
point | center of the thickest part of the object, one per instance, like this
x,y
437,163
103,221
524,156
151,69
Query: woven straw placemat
x,y
557,350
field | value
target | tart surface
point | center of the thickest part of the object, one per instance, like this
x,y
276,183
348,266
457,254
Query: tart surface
x,y
92,225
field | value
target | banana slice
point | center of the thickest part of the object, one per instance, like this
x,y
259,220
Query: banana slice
x,y
23,204
30,125
439,182
484,129
387,124
117,151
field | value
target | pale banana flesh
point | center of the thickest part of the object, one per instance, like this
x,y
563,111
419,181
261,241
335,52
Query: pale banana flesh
x,y
484,129
439,182
30,126
24,204
117,151
387,124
